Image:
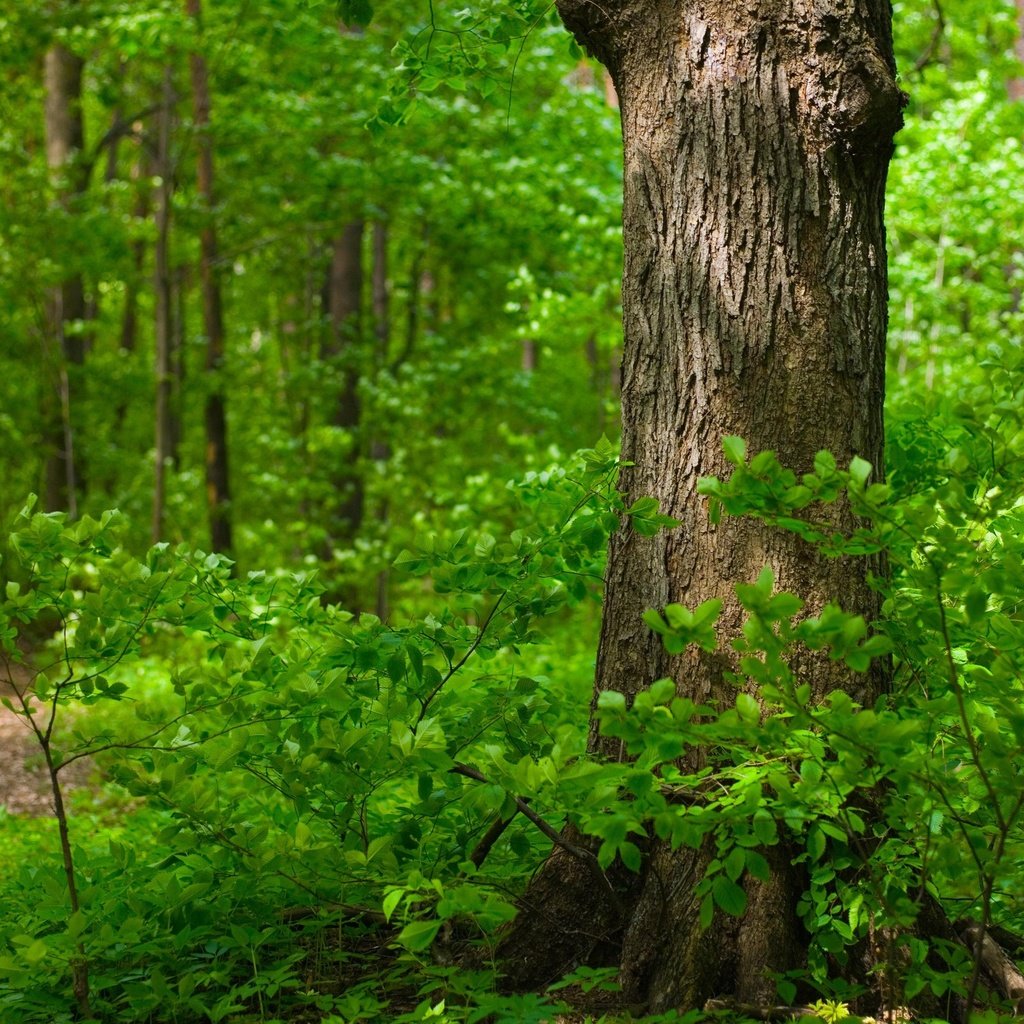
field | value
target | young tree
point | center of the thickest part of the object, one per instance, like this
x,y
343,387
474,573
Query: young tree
x,y
756,145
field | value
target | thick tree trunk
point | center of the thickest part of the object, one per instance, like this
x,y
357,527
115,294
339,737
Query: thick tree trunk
x,y
757,140
64,479
218,490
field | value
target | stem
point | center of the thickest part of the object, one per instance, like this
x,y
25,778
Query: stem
x,y
490,837
79,963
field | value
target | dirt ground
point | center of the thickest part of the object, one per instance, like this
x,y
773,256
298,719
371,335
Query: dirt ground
x,y
24,783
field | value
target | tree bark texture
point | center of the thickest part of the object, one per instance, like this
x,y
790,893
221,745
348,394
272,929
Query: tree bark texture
x,y
62,80
218,488
756,144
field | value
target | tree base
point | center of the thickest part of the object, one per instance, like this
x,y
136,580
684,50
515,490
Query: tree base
x,y
665,961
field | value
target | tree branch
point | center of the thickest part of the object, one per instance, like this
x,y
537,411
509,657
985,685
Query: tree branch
x,y
580,853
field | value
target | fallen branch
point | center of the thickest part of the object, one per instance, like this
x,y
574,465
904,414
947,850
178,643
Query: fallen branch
x,y
1004,974
759,1012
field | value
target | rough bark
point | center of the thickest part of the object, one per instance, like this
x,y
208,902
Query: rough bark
x,y
218,488
64,479
756,143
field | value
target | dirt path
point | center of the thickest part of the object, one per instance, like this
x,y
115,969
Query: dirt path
x,y
24,783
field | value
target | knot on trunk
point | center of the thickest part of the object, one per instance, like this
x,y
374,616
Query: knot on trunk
x,y
859,102
594,25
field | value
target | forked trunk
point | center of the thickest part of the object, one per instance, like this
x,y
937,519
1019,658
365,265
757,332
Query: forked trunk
x,y
756,142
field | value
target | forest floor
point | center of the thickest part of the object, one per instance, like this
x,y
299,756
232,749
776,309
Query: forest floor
x,y
24,783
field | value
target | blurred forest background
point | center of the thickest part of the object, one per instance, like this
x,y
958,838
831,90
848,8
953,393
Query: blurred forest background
x,y
270,296
320,296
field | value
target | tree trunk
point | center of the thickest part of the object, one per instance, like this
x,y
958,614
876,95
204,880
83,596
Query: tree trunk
x,y
128,338
345,307
380,449
64,480
162,327
176,359
757,140
218,491
530,356
1015,87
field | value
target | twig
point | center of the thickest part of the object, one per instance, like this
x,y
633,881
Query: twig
x,y
580,853
929,51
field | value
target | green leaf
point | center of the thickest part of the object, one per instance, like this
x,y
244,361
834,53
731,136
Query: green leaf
x,y
975,604
36,952
707,611
424,786
748,708
758,866
735,863
391,901
729,896
630,854
765,828
735,449
611,700
418,935
860,470
707,912
816,843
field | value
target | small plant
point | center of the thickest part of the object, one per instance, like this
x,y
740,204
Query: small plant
x,y
830,1011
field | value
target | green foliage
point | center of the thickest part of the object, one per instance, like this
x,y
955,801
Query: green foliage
x,y
286,754
291,795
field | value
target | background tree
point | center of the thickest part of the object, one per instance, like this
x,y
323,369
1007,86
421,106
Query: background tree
x,y
64,355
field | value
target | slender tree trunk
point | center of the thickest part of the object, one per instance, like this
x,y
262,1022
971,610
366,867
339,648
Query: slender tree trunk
x,y
163,328
176,360
345,307
1015,87
64,478
419,281
380,449
218,493
530,356
129,334
381,295
756,143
